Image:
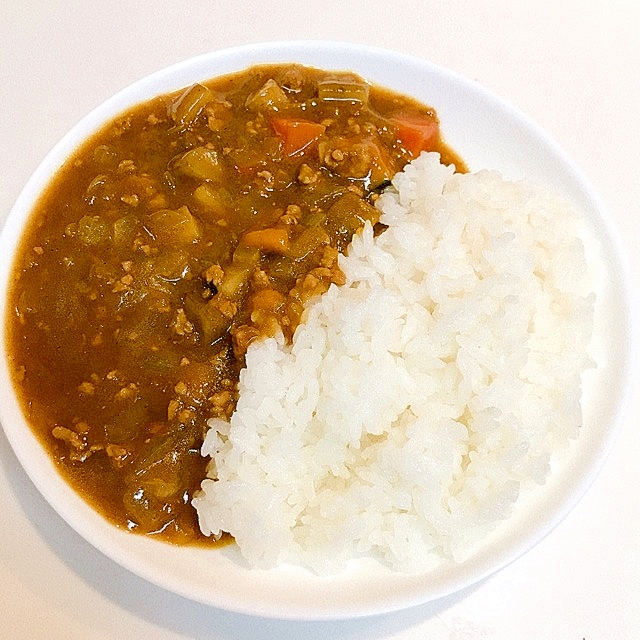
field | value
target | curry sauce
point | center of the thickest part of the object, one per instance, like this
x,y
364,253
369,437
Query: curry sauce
x,y
182,231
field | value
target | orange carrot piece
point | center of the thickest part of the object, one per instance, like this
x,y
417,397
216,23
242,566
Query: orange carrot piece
x,y
272,240
297,135
417,133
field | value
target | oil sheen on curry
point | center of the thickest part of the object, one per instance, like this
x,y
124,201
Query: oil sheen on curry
x,y
186,228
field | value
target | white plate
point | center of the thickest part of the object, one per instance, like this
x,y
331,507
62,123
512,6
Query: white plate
x,y
488,134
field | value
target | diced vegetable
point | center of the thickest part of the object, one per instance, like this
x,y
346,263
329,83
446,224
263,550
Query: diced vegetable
x,y
267,300
314,219
174,226
270,97
208,319
93,229
417,133
161,448
201,163
171,264
267,308
297,135
246,256
287,268
125,229
157,475
200,377
345,89
187,107
381,168
235,282
308,241
216,200
161,362
272,240
246,157
357,156
347,215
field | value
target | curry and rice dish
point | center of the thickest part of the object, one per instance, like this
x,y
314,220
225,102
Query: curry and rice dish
x,y
170,241
277,308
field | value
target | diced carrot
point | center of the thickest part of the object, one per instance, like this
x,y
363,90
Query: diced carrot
x,y
297,135
272,240
267,299
417,133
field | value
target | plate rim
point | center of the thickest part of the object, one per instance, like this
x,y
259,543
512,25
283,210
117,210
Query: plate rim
x,y
28,449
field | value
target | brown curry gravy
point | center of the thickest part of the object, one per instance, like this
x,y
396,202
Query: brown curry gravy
x,y
180,232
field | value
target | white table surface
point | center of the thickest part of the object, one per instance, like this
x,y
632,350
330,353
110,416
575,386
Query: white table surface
x,y
572,65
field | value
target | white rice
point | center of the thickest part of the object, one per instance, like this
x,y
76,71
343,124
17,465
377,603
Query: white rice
x,y
419,400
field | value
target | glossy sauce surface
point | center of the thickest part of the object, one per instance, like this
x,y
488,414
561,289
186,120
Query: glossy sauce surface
x,y
182,231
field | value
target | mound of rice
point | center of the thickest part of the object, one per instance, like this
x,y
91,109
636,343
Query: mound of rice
x,y
420,399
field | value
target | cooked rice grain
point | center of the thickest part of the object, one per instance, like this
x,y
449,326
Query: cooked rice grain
x,y
419,400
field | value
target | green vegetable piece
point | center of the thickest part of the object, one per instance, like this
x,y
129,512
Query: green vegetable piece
x,y
347,215
246,256
308,241
343,90
93,230
162,362
125,230
314,219
208,320
157,478
172,264
201,163
188,106
158,448
235,282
